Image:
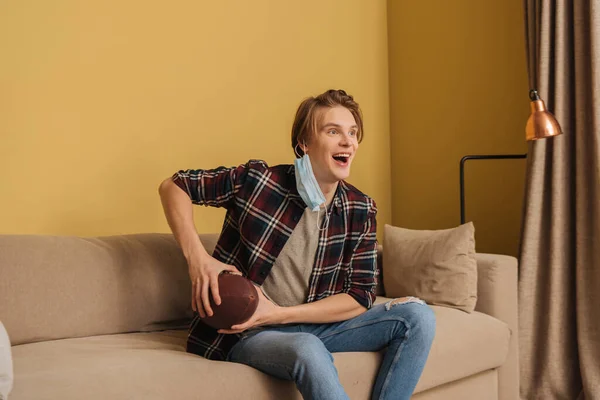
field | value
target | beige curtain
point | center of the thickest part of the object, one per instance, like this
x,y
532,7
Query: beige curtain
x,y
559,276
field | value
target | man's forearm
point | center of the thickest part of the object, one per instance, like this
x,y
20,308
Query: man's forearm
x,y
339,307
180,217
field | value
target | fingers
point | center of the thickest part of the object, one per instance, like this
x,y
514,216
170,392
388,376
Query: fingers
x,y
241,327
253,321
229,331
205,300
194,295
214,289
206,285
200,293
197,298
238,328
234,270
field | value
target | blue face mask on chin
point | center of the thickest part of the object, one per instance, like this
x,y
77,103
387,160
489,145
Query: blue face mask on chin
x,y
307,184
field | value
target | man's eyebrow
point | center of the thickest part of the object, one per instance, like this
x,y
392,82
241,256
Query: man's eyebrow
x,y
337,125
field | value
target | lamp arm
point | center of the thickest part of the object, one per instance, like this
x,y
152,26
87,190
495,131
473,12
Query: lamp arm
x,y
478,157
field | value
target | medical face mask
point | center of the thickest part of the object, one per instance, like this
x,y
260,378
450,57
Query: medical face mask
x,y
307,185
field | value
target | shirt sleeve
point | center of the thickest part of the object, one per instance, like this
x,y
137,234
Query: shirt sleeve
x,y
215,187
362,274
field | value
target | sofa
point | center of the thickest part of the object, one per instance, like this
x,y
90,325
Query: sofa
x,y
106,318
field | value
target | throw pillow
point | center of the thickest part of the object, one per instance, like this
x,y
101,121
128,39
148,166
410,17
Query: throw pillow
x,y
436,266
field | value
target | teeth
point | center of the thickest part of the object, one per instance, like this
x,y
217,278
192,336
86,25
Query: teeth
x,y
341,155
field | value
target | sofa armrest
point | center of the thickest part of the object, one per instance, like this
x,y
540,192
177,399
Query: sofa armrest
x,y
6,368
497,296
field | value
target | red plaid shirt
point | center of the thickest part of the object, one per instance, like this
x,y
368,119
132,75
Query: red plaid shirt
x,y
263,207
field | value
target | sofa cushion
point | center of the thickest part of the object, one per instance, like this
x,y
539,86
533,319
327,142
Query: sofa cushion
x,y
150,366
436,266
56,287
464,344
155,366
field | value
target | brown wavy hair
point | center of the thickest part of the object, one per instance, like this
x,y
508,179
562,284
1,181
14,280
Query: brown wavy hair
x,y
305,123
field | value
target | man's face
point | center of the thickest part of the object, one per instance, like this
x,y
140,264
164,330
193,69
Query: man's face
x,y
332,148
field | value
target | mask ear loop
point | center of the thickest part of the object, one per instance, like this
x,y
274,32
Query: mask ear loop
x,y
327,216
296,150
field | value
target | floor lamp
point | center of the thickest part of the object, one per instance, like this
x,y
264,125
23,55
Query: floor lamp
x,y
540,125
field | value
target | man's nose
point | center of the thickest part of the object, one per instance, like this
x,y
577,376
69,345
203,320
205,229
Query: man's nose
x,y
345,140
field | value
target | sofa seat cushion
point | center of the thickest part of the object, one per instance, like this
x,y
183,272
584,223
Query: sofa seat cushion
x,y
150,366
464,344
155,365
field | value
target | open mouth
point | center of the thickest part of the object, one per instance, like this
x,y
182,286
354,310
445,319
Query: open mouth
x,y
342,159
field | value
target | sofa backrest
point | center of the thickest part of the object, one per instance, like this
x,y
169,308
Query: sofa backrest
x,y
54,287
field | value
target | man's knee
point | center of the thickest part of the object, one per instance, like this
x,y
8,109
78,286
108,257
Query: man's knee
x,y
427,323
418,318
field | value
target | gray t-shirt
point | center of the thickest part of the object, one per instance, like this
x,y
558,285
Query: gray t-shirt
x,y
287,283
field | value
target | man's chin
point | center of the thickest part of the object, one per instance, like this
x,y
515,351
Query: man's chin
x,y
342,175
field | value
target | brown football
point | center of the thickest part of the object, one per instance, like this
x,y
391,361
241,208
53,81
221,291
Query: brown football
x,y
239,300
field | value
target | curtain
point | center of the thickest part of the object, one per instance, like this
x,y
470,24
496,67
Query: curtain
x,y
559,272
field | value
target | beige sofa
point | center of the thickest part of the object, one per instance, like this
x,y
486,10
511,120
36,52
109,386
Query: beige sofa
x,y
105,318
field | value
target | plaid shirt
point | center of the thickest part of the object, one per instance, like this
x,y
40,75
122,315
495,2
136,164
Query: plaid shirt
x,y
263,207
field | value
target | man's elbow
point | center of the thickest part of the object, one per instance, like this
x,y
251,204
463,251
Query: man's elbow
x,y
358,308
165,186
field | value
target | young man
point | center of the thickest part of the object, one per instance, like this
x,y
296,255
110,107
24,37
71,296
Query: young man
x,y
307,239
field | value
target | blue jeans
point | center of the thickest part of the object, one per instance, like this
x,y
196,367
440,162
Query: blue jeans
x,y
302,352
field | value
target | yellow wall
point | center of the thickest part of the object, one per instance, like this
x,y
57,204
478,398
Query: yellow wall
x,y
102,100
458,86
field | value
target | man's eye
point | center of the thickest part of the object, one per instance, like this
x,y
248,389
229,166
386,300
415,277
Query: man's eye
x,y
352,133
333,131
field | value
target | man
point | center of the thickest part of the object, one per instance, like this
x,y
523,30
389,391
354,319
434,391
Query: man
x,y
307,239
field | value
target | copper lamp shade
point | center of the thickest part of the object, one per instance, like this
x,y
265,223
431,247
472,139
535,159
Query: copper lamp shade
x,y
541,123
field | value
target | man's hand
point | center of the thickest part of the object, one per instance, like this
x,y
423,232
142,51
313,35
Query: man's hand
x,y
266,313
204,274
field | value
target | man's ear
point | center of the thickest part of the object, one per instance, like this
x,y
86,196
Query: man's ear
x,y
304,147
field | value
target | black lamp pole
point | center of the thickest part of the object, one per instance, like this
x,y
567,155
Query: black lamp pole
x,y
462,174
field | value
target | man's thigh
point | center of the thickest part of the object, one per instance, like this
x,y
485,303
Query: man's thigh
x,y
371,331
276,350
